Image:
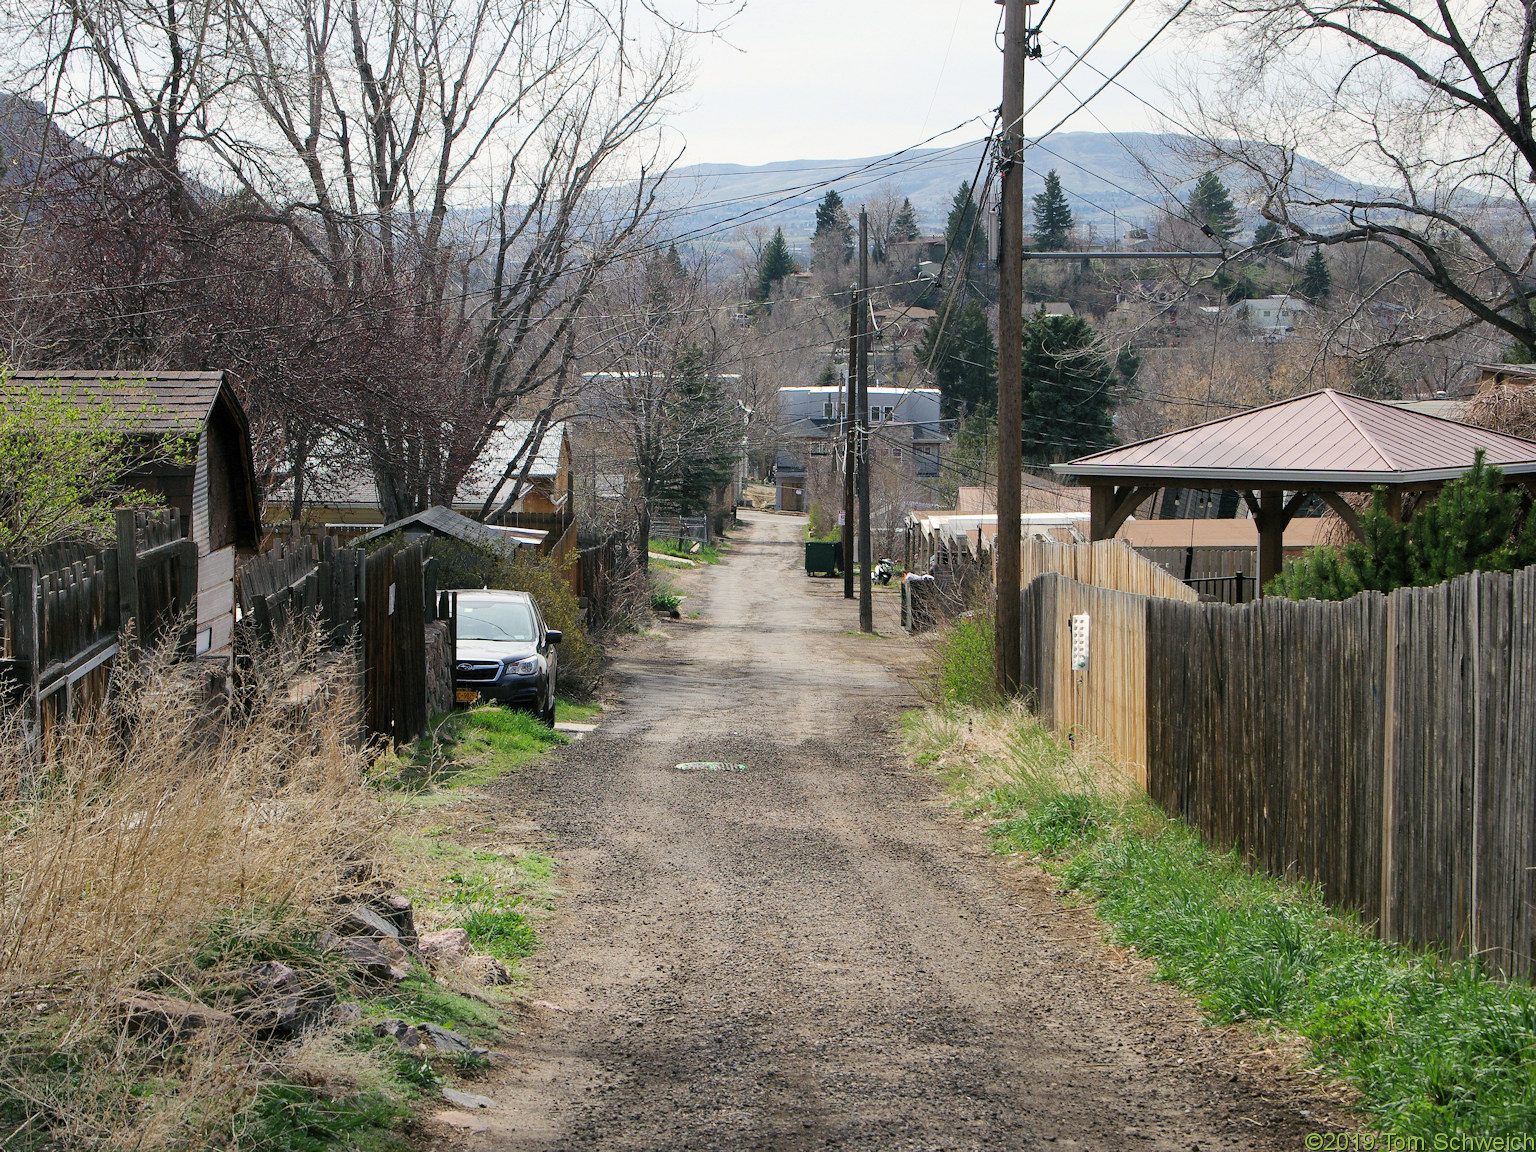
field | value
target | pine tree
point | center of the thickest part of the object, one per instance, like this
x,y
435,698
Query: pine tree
x,y
834,233
1070,390
1316,280
1266,233
905,225
1053,216
1210,205
773,264
962,219
1127,364
1475,524
964,360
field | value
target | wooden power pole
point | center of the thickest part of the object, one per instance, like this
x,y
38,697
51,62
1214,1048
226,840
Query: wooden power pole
x,y
850,451
866,564
1010,347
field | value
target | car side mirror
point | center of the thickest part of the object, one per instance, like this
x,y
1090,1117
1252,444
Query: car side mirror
x,y
553,636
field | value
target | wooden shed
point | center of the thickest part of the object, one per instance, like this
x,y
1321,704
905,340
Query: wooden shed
x,y
214,490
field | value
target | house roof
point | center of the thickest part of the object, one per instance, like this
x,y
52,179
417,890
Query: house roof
x,y
1328,439
356,486
503,444
447,522
163,401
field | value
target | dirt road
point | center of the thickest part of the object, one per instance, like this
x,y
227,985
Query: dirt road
x,y
812,951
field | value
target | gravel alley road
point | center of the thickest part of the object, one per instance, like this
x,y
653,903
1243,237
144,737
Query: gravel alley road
x,y
813,952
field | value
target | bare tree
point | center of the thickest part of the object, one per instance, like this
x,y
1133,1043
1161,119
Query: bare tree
x,y
661,402
459,175
1424,106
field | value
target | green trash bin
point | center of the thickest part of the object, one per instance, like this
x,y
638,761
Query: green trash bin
x,y
823,557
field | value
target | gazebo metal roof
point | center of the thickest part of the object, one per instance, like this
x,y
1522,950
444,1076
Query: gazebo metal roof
x,y
1329,439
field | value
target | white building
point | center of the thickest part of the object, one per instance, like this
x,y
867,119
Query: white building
x,y
1271,316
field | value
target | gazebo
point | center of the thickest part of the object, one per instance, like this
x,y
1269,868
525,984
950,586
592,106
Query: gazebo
x,y
1324,444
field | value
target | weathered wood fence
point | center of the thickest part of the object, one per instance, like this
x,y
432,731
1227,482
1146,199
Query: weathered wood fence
x,y
1383,747
1104,564
387,600
64,614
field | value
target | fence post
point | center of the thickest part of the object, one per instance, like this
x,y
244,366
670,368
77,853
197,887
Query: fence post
x,y
127,573
186,595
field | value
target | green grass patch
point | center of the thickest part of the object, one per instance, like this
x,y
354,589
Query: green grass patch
x,y
419,998
504,934
707,553
1433,1046
567,712
469,748
290,1118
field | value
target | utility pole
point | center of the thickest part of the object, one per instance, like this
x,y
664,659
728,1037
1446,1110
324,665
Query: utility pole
x,y
850,453
1010,348
866,564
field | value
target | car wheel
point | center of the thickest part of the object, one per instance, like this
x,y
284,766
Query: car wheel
x,y
547,714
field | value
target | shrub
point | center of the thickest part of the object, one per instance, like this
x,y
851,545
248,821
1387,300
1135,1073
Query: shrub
x,y
1474,524
963,663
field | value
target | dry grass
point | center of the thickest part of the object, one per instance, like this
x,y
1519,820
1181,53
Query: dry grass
x,y
154,846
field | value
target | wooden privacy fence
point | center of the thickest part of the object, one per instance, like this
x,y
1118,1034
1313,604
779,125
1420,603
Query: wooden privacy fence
x,y
301,579
1104,564
62,615
1383,747
386,599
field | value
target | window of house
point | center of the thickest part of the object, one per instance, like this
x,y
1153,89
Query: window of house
x,y
874,413
826,410
819,448
889,412
895,452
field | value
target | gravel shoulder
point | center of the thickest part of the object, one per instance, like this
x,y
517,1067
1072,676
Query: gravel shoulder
x,y
812,951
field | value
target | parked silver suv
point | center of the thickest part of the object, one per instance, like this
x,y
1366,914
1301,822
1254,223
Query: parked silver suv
x,y
505,652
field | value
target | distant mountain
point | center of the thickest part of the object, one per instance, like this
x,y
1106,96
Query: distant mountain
x,y
1103,179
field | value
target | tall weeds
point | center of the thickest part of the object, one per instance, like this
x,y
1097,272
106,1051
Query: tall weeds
x,y
166,841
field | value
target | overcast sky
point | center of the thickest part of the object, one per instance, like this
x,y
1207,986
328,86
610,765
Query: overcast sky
x,y
815,79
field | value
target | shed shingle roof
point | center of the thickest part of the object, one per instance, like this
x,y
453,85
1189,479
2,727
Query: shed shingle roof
x,y
1325,437
160,401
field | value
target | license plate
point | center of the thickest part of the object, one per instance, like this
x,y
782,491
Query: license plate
x,y
466,696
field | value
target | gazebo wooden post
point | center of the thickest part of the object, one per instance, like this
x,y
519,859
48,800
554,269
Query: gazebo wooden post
x,y
1271,521
1101,503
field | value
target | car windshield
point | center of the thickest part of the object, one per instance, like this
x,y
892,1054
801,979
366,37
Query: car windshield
x,y
495,620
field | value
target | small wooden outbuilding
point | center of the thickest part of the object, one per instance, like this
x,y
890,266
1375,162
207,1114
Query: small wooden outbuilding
x,y
214,489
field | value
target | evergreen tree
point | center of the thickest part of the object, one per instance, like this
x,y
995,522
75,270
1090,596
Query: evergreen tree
x,y
962,219
773,264
1210,205
1316,280
1475,524
1053,216
964,360
1266,233
1069,390
834,234
905,225
828,377
704,459
1127,364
